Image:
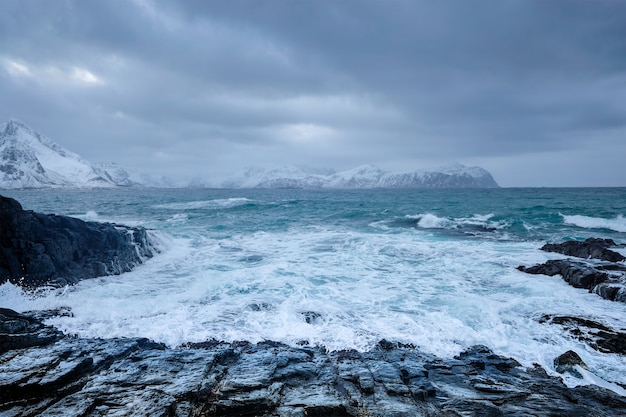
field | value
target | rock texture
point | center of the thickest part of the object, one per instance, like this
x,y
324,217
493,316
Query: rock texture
x,y
600,270
594,334
45,373
38,249
595,248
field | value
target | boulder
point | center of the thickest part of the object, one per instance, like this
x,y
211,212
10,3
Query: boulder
x,y
568,362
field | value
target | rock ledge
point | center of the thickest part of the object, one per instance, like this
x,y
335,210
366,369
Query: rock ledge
x,y
46,373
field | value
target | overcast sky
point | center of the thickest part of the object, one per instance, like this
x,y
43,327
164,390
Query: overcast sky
x,y
532,90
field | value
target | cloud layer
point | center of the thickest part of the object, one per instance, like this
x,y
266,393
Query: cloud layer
x,y
533,91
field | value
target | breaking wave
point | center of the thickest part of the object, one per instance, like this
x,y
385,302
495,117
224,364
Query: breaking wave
x,y
205,204
478,221
617,224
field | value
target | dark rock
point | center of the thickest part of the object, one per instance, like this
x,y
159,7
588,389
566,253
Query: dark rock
x,y
577,274
38,249
311,317
135,377
568,361
590,248
18,331
608,280
597,335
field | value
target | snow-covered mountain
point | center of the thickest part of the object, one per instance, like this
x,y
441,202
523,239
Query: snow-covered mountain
x,y
366,176
284,177
31,160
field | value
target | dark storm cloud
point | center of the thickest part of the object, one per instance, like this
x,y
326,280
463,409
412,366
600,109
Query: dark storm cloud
x,y
520,87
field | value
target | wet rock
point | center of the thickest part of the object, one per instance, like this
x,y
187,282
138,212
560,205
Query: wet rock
x,y
311,317
576,273
597,335
567,362
71,376
18,331
606,278
38,249
596,248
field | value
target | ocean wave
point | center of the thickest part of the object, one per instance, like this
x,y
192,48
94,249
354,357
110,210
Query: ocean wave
x,y
202,204
617,224
477,221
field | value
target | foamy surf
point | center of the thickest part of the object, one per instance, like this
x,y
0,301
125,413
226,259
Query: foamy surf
x,y
342,270
617,224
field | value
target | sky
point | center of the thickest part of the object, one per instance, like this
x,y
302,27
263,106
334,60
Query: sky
x,y
534,91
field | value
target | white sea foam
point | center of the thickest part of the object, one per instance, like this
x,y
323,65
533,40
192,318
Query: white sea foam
x,y
432,221
230,277
91,215
340,289
591,378
205,204
618,223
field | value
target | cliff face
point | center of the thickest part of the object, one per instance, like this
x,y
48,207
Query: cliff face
x,y
40,249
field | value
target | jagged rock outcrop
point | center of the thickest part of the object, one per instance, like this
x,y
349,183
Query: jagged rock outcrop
x,y
46,373
605,276
45,249
595,248
597,335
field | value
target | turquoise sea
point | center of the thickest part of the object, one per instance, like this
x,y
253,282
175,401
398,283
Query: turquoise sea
x,y
343,268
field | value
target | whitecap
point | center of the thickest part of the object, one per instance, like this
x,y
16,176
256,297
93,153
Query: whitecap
x,y
205,204
617,224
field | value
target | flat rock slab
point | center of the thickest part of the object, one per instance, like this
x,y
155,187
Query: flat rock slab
x,y
68,376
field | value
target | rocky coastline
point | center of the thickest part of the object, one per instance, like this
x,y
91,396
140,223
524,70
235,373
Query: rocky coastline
x,y
44,372
596,268
49,250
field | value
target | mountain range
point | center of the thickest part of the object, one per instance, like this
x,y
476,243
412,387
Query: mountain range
x,y
365,176
30,160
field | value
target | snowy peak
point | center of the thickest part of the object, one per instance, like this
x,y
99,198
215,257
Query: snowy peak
x,y
460,169
31,160
13,126
283,177
365,176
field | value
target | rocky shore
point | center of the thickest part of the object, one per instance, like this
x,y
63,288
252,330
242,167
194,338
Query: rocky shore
x,y
596,268
45,249
46,373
